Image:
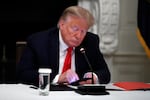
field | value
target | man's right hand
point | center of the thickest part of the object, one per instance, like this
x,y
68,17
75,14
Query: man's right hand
x,y
68,77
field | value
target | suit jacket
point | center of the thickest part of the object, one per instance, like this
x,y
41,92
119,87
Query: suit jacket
x,y
43,51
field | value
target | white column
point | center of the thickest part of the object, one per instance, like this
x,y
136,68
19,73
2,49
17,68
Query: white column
x,y
106,13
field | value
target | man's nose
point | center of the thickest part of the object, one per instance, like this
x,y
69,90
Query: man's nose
x,y
78,35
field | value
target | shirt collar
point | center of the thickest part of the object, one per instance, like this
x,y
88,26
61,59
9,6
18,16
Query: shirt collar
x,y
62,44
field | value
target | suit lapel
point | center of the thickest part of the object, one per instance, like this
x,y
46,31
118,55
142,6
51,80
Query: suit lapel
x,y
53,50
79,62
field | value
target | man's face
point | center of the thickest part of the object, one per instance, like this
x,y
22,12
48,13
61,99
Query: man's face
x,y
73,30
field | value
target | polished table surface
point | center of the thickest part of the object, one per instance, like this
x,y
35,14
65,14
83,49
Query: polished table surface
x,y
24,92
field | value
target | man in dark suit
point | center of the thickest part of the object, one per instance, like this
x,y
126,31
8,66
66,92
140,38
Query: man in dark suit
x,y
48,49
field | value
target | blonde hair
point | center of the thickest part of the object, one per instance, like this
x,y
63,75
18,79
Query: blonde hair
x,y
79,12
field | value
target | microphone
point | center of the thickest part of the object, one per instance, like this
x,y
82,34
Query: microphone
x,y
82,50
93,89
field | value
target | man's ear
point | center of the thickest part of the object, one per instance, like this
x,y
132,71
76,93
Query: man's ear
x,y
61,23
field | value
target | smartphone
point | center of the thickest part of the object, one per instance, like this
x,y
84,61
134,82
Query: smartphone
x,y
78,81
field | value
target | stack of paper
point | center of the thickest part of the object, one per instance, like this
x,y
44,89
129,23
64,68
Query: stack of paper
x,y
133,85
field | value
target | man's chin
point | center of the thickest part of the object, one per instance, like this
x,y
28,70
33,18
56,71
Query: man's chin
x,y
73,44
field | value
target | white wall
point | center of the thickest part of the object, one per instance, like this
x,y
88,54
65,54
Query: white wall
x,y
130,62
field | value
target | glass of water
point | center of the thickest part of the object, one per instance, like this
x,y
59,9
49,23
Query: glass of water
x,y
44,81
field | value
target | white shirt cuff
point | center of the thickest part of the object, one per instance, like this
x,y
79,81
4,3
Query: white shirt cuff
x,y
55,80
97,80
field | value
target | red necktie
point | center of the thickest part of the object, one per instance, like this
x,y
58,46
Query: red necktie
x,y
67,62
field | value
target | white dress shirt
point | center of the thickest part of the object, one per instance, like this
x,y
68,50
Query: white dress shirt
x,y
62,54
